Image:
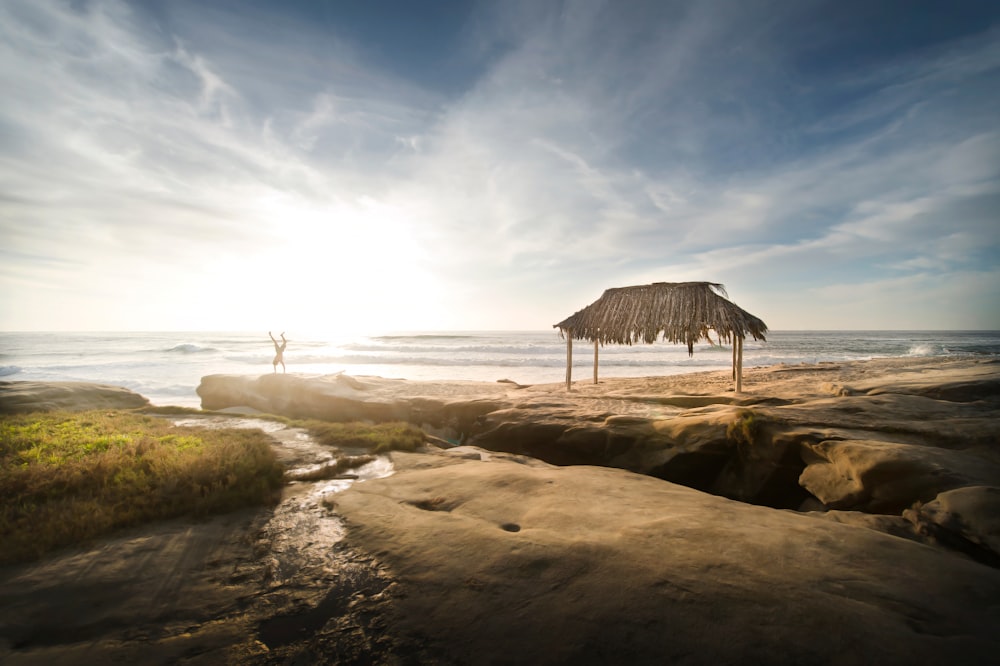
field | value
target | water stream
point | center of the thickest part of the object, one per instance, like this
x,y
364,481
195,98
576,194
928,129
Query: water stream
x,y
303,527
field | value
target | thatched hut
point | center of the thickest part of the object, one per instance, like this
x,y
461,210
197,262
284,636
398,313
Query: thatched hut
x,y
682,312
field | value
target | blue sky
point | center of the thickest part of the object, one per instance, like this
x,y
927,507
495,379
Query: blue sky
x,y
495,165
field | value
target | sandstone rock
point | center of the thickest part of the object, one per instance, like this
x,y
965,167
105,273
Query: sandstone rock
x,y
342,398
498,562
24,397
886,477
677,428
970,515
496,557
954,384
897,526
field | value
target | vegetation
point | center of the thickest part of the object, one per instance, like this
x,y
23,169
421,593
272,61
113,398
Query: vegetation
x,y
743,431
172,410
67,477
378,437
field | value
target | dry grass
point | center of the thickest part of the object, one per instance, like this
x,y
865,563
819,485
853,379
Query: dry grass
x,y
743,432
680,312
68,477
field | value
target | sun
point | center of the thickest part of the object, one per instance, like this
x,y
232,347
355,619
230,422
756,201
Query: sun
x,y
351,265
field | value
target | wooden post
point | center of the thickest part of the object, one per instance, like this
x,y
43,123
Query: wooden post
x,y
734,357
569,360
739,368
595,361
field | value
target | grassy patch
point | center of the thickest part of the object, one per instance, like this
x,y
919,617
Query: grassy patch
x,y
170,410
377,437
67,477
743,431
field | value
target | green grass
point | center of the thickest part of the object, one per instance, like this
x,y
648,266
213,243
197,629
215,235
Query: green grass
x,y
377,437
68,477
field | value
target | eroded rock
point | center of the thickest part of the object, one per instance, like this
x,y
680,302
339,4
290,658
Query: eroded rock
x,y
966,519
442,408
501,562
805,444
21,397
887,477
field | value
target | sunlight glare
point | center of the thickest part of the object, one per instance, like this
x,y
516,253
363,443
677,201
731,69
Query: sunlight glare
x,y
352,265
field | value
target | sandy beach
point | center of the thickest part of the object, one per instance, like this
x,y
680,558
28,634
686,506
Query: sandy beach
x,y
830,513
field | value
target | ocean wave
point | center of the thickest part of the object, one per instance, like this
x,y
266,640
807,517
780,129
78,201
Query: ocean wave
x,y
551,361
445,361
453,349
425,336
189,348
533,348
149,389
922,350
801,359
168,366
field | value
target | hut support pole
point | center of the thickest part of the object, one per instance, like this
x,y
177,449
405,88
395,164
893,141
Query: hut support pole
x,y
739,367
595,361
569,360
734,356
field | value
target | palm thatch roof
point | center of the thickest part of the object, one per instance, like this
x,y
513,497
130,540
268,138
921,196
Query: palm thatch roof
x,y
682,312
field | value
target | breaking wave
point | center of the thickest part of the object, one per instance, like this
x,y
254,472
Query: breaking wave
x,y
189,348
923,349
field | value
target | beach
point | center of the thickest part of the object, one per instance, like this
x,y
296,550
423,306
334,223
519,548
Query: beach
x,y
167,366
570,332
832,512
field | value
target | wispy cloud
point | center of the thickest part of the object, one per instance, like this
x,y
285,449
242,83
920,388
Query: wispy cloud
x,y
579,146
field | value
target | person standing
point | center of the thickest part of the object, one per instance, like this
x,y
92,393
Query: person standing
x,y
279,352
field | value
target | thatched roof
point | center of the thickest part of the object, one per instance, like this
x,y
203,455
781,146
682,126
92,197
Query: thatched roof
x,y
683,312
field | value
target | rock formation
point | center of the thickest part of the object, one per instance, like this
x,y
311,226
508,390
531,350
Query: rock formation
x,y
877,437
527,536
498,561
21,397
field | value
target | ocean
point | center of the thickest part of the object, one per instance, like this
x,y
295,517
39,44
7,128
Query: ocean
x,y
167,367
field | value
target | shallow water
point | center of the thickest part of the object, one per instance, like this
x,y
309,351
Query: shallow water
x,y
303,527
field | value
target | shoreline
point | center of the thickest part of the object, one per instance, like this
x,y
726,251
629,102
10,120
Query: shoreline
x,y
167,367
757,380
582,374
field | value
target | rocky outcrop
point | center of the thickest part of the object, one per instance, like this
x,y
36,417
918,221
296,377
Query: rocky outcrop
x,y
490,555
875,437
25,397
446,408
502,562
966,519
885,477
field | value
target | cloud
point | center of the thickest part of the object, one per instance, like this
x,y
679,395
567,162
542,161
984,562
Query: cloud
x,y
919,300
582,146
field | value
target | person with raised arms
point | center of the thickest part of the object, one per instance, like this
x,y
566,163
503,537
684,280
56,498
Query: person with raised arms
x,y
279,352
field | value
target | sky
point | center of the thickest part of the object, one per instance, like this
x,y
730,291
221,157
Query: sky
x,y
461,165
